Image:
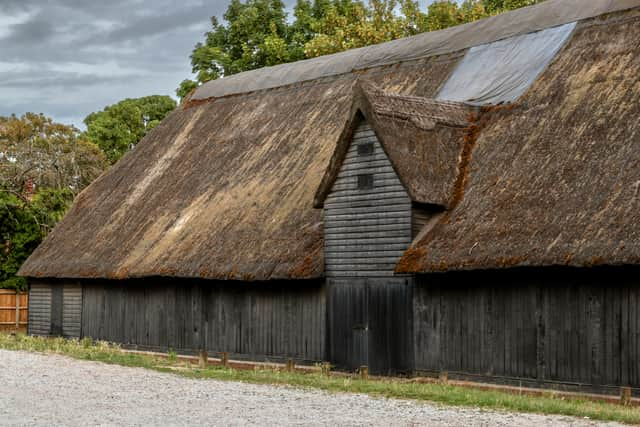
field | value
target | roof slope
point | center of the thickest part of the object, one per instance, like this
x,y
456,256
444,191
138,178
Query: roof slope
x,y
520,21
555,180
422,137
223,189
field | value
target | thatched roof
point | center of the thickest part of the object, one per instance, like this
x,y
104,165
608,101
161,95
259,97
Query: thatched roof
x,y
422,137
555,180
221,189
224,187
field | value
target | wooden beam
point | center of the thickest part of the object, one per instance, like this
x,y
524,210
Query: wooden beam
x,y
17,309
625,396
203,359
364,372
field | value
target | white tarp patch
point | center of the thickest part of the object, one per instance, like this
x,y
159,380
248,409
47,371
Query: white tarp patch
x,y
502,71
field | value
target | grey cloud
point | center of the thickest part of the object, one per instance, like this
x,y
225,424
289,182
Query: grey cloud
x,y
152,26
69,81
68,58
35,30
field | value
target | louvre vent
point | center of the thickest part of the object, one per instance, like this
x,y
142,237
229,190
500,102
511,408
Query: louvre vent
x,y
365,181
365,149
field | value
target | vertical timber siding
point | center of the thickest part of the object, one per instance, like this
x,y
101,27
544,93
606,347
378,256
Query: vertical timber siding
x,y
367,226
421,215
39,309
71,310
366,230
370,324
257,321
552,327
55,308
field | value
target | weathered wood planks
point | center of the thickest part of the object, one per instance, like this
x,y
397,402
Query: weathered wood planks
x,y
555,325
249,320
366,229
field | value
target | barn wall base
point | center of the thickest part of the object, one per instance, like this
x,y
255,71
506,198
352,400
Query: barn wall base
x,y
249,320
556,327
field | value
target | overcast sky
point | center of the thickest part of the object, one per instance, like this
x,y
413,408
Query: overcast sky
x,y
68,58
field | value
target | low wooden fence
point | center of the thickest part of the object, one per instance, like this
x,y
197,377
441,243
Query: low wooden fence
x,y
14,307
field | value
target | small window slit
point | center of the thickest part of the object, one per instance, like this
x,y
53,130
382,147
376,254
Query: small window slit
x,y
365,181
365,149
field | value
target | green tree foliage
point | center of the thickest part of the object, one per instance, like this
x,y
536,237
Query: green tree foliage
x,y
119,127
36,152
256,33
42,166
499,6
186,87
24,222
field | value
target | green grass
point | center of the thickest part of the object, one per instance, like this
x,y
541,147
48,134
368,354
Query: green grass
x,y
87,349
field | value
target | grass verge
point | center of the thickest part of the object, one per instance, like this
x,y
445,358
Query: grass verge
x,y
86,349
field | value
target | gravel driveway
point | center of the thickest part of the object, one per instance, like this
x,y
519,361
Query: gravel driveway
x,y
51,390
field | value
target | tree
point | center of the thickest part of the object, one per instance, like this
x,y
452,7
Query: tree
x,y
119,127
351,24
186,87
494,7
256,35
43,164
36,152
24,222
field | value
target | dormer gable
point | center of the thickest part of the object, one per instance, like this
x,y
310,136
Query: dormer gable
x,y
423,139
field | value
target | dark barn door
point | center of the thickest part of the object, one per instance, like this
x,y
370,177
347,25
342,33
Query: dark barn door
x,y
56,310
370,324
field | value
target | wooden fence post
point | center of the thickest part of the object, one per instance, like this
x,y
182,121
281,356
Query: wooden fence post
x,y
224,359
364,372
203,359
625,396
290,365
325,368
17,309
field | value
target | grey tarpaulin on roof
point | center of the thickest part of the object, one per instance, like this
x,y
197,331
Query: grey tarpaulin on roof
x,y
501,71
549,13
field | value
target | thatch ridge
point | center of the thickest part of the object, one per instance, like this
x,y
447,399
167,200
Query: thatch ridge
x,y
525,20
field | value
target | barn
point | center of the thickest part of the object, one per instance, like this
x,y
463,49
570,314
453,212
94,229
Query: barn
x,y
462,201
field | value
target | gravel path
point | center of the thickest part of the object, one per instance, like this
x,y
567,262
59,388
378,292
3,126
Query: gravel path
x,y
52,390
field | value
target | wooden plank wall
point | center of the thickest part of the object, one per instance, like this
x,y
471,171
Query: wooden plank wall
x,y
39,308
72,309
259,321
579,326
421,215
13,309
56,309
369,323
366,230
